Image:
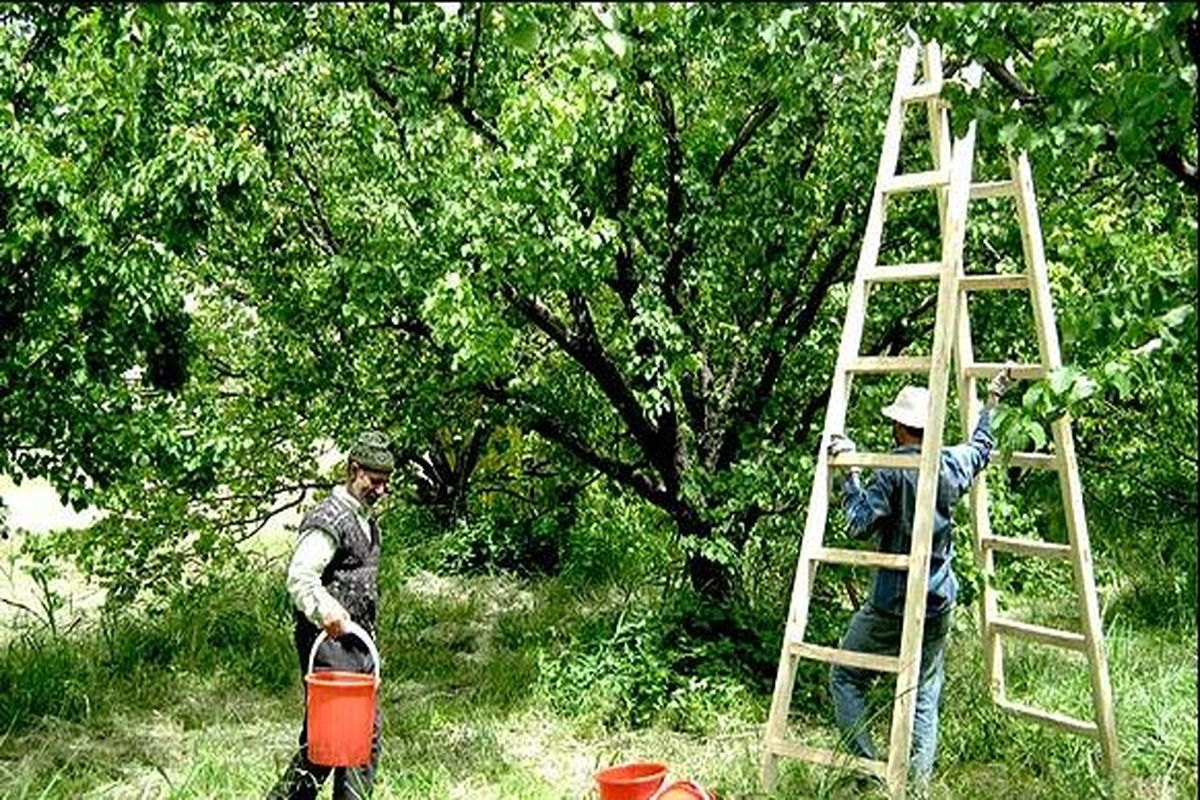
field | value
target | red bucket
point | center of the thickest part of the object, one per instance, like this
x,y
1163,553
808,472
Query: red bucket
x,y
635,781
341,710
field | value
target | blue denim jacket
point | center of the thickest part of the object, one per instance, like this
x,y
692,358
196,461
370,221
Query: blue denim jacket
x,y
887,507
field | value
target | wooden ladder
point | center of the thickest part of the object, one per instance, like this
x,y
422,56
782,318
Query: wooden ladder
x,y
1090,639
951,179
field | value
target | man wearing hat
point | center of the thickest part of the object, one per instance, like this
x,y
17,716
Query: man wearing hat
x,y
332,580
886,507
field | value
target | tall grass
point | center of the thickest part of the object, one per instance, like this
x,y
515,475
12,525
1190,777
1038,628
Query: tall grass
x,y
498,688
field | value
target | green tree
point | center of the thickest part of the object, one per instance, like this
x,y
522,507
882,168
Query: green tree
x,y
623,231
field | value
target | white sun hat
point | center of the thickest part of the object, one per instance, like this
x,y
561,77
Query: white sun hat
x,y
910,407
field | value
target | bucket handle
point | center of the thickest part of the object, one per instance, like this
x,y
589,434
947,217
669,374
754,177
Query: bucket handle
x,y
357,630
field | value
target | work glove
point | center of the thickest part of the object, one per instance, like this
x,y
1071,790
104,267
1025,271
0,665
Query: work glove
x,y
1000,384
839,444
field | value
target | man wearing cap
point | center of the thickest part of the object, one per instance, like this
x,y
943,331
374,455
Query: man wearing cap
x,y
886,507
332,580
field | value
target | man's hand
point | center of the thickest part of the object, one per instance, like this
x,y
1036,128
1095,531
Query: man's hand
x,y
1000,384
839,444
335,623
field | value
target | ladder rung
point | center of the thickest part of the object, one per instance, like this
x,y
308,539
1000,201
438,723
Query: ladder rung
x,y
847,658
985,283
926,90
992,189
913,181
877,460
889,364
862,558
1034,460
827,758
1038,633
922,271
1071,724
1026,547
1021,372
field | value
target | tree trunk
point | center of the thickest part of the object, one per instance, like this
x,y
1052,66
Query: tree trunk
x,y
710,579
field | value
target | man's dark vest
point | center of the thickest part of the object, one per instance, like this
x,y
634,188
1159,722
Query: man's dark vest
x,y
352,574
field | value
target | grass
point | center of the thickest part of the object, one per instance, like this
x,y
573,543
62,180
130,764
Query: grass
x,y
202,700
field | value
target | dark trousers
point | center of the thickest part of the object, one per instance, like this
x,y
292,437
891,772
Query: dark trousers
x,y
302,779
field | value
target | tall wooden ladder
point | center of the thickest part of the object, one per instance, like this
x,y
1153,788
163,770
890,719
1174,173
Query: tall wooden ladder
x,y
951,178
1090,639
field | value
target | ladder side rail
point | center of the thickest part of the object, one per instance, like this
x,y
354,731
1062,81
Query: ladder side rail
x,y
917,584
939,125
981,526
1069,482
835,417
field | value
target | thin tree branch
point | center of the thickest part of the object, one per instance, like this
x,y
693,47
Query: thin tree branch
x,y
332,244
586,351
462,84
391,105
754,120
262,519
620,472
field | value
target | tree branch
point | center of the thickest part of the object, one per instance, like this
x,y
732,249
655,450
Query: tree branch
x,y
586,352
463,83
263,519
624,284
330,241
618,471
1011,82
750,412
1179,167
677,249
761,112
1167,156
391,106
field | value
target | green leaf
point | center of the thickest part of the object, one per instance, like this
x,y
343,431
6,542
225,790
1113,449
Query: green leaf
x,y
526,33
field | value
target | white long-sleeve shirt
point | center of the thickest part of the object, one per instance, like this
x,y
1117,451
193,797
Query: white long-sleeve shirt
x,y
314,551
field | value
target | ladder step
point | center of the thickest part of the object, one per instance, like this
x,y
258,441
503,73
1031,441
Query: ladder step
x,y
862,558
889,364
1034,460
847,658
877,460
1026,547
827,758
993,189
926,90
1062,721
1022,372
1038,633
986,283
922,271
914,181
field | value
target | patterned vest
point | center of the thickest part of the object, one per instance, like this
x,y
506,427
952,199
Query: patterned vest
x,y
352,574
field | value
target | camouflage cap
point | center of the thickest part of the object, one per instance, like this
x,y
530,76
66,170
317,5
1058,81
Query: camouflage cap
x,y
373,451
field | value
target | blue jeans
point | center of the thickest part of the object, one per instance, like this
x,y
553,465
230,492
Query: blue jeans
x,y
872,631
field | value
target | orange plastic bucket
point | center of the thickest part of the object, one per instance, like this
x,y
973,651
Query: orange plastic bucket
x,y
635,781
341,710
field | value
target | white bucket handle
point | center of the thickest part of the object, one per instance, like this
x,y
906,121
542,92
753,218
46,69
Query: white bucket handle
x,y
357,630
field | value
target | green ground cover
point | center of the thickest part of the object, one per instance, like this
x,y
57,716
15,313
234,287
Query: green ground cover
x,y
488,694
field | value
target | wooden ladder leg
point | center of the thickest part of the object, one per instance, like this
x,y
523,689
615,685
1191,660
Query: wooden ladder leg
x,y
907,680
835,417
1069,483
981,526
